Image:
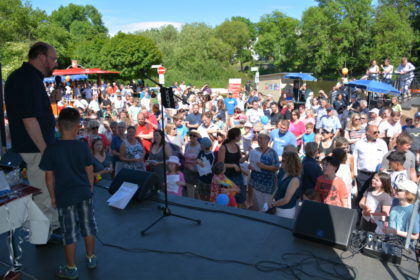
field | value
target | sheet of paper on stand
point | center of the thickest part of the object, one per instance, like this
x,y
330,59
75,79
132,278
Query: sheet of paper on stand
x,y
254,157
171,183
204,170
124,194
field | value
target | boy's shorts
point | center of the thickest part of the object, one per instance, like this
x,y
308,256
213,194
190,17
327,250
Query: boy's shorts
x,y
203,189
77,219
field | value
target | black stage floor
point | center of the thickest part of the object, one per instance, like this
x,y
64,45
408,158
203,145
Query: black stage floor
x,y
238,239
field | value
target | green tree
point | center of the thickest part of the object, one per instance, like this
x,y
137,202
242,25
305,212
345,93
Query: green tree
x,y
84,22
129,54
236,34
315,44
392,35
277,39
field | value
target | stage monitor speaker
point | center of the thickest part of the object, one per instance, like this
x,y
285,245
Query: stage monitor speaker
x,y
146,181
331,225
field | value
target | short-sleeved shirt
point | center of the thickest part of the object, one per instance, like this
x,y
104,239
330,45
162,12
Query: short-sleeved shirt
x,y
306,138
332,192
410,161
193,118
230,104
182,130
26,97
415,133
281,140
399,218
203,156
68,159
383,199
145,129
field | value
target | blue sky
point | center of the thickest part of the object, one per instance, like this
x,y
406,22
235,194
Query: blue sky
x,y
132,15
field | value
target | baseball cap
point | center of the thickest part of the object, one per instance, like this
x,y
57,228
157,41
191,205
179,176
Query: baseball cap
x,y
248,124
408,185
374,110
205,142
417,115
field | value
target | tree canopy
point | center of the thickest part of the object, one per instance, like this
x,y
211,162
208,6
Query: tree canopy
x,y
332,35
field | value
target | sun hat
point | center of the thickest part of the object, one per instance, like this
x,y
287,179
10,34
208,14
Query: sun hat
x,y
174,159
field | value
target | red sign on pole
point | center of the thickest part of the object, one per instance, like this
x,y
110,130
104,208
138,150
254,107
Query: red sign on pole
x,y
161,70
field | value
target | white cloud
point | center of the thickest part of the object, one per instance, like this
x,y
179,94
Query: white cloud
x,y
142,26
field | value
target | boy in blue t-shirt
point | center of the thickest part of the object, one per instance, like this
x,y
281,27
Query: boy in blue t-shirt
x,y
399,218
309,135
69,178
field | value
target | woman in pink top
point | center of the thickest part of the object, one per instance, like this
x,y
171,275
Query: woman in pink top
x,y
297,127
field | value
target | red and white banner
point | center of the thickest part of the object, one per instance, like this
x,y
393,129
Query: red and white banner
x,y
235,86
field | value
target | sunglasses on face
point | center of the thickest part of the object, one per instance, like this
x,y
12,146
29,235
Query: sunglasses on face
x,y
94,127
375,132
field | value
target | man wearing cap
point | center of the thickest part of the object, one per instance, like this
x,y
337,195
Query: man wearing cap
x,y
368,154
330,121
374,118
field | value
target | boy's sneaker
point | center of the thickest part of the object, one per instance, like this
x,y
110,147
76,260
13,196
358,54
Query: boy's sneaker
x,y
91,262
64,272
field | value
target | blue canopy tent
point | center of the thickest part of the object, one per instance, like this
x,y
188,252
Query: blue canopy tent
x,y
375,86
72,77
372,86
300,77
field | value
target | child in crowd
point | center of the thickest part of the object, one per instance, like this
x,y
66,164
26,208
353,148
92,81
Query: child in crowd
x,y
221,184
399,219
396,165
205,161
309,135
376,203
69,178
395,105
329,188
175,186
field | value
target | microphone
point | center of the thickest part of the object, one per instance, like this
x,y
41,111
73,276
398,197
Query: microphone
x,y
57,81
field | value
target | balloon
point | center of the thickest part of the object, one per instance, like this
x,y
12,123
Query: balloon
x,y
68,78
264,120
222,199
344,71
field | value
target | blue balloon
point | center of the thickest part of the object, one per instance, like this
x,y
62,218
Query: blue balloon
x,y
222,199
264,120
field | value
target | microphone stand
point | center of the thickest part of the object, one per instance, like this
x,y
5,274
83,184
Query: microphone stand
x,y
166,212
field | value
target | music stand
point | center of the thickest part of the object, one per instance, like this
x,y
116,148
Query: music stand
x,y
165,96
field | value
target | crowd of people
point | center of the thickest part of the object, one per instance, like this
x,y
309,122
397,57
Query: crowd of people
x,y
269,153
243,150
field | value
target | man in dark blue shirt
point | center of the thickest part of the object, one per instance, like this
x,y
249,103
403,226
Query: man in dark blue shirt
x,y
31,120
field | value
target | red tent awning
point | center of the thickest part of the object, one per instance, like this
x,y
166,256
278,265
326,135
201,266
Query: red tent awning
x,y
77,71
